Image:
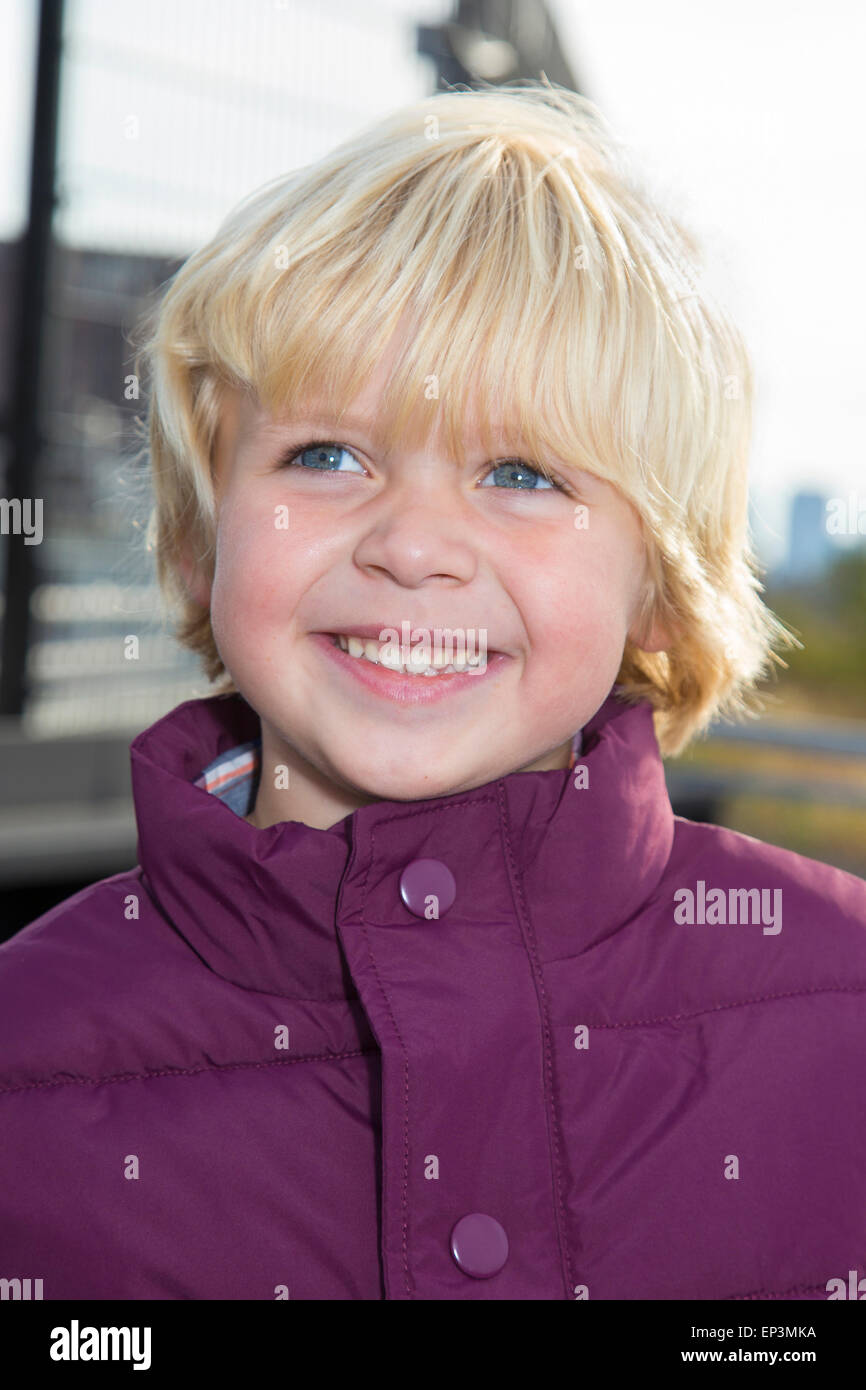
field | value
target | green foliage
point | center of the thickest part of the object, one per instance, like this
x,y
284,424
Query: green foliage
x,y
829,618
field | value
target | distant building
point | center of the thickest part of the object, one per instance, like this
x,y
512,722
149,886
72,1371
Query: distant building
x,y
810,547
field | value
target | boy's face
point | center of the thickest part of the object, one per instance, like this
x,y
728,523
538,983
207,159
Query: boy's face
x,y
411,538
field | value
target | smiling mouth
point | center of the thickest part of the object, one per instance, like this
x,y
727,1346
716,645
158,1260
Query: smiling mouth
x,y
368,650
407,689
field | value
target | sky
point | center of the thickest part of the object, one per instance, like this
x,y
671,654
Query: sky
x,y
749,118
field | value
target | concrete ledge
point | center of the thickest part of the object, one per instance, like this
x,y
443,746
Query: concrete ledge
x,y
77,840
47,772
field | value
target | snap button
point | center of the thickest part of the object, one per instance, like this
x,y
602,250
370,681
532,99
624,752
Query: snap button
x,y
423,879
479,1245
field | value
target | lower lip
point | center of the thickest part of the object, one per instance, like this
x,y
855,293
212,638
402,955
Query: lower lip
x,y
403,689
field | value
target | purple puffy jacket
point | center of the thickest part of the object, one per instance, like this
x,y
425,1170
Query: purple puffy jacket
x,y
538,1040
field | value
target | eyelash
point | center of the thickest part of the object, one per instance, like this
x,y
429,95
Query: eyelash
x,y
294,452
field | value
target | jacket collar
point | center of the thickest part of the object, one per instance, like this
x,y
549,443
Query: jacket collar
x,y
260,906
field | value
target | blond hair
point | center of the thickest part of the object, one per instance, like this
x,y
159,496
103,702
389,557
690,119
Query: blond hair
x,y
543,283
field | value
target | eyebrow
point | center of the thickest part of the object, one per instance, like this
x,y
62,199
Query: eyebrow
x,y
320,419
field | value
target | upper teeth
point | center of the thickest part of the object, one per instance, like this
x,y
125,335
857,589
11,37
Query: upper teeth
x,y
382,654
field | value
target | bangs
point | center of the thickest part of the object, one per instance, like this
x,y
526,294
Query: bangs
x,y
509,289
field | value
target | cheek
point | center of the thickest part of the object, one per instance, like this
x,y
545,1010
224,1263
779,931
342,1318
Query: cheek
x,y
579,590
250,573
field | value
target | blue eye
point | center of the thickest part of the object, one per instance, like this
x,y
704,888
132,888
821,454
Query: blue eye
x,y
322,454
516,469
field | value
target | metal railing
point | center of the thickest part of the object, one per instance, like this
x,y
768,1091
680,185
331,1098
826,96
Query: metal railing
x,y
704,787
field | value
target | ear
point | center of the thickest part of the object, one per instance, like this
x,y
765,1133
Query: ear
x,y
647,631
657,639
649,634
197,586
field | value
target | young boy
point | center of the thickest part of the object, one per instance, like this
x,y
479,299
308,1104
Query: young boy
x,y
420,990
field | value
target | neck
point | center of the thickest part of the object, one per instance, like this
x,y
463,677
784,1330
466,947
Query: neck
x,y
305,795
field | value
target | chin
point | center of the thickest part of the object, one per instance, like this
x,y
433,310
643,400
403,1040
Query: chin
x,y
406,788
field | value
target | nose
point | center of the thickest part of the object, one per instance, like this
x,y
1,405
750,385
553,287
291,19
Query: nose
x,y
417,538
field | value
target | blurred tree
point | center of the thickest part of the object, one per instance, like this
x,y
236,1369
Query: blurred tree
x,y
830,620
